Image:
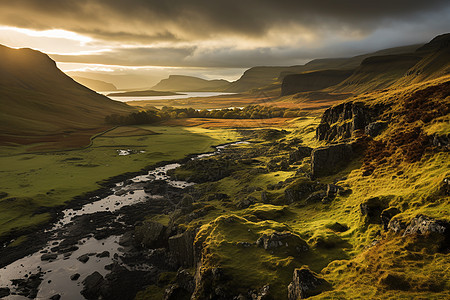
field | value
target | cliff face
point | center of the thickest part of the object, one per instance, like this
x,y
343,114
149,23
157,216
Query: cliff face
x,y
341,121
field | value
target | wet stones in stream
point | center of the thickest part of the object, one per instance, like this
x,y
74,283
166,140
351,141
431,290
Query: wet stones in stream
x,y
120,283
28,287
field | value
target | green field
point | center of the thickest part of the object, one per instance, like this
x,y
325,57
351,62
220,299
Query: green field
x,y
54,178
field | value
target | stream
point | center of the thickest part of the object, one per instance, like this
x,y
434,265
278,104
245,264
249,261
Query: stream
x,y
89,239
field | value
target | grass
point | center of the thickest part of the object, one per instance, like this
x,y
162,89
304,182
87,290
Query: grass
x,y
54,178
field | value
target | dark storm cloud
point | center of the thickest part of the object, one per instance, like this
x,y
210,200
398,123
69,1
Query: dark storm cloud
x,y
233,33
149,20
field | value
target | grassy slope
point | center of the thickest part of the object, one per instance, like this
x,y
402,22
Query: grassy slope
x,y
345,259
38,99
51,179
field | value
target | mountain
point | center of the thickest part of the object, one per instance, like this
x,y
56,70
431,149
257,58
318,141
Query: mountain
x,y
430,61
96,85
258,77
181,83
39,99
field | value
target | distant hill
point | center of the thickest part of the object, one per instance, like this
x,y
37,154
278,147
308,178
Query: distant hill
x,y
312,81
258,77
181,83
144,93
430,61
38,98
96,85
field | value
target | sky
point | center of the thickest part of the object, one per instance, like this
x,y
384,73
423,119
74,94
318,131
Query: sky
x,y
135,43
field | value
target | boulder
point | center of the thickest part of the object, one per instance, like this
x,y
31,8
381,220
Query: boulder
x,y
305,283
330,159
182,248
83,258
261,294
246,202
424,225
75,276
386,216
4,292
150,234
371,210
92,285
396,225
298,190
49,256
285,241
299,154
373,129
156,187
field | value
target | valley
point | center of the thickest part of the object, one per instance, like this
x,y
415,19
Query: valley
x,y
328,180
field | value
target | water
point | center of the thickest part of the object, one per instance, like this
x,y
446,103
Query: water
x,y
186,95
56,273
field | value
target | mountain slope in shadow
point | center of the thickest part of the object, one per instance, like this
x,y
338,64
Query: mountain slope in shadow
x,y
39,99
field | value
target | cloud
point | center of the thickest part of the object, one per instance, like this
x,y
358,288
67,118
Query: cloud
x,y
149,21
232,34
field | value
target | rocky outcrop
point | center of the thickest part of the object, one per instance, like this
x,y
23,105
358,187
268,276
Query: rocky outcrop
x,y
424,225
341,121
182,247
298,190
330,159
183,288
306,283
287,241
150,234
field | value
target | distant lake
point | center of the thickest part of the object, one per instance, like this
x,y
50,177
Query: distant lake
x,y
187,95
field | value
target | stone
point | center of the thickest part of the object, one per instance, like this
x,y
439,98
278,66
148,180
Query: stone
x,y
103,254
371,210
186,280
246,202
386,216
182,248
373,129
315,197
396,225
150,234
424,225
92,285
305,283
55,297
4,292
298,190
265,197
299,154
75,276
126,239
49,256
330,159
285,240
83,258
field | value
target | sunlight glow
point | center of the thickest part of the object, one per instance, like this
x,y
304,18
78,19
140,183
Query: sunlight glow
x,y
52,33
